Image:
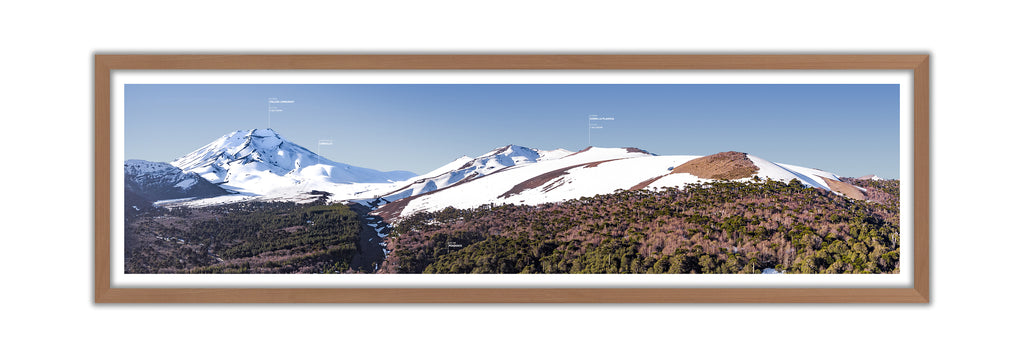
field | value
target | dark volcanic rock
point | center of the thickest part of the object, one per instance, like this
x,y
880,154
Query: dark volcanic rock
x,y
146,182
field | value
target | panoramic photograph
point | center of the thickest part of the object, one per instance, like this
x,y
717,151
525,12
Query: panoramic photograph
x,y
511,179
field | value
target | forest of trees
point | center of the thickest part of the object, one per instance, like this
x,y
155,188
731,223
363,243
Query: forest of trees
x,y
252,237
715,227
719,227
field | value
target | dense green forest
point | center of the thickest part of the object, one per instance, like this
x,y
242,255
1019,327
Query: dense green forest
x,y
718,227
252,237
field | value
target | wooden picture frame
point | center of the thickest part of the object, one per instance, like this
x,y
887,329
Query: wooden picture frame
x,y
917,293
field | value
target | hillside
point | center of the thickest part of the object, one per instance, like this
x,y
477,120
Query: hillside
x,y
595,171
718,227
257,237
146,182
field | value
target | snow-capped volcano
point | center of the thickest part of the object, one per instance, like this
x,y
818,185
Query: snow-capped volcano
x,y
259,161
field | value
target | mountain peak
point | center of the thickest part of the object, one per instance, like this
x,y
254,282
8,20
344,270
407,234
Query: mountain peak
x,y
245,146
247,157
264,132
250,133
510,149
510,155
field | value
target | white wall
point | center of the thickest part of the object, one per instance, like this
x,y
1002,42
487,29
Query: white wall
x,y
47,111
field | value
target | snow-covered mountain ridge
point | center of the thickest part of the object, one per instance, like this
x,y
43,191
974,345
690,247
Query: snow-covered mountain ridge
x,y
597,171
465,169
260,164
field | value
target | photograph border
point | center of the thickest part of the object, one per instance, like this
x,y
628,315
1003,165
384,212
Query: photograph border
x,y
106,63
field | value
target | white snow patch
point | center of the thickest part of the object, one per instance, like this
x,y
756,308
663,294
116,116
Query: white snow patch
x,y
187,183
553,154
785,173
171,201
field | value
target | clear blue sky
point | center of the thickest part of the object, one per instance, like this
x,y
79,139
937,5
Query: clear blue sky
x,y
851,130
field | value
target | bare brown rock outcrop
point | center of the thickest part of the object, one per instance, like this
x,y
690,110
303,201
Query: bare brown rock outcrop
x,y
847,189
722,166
